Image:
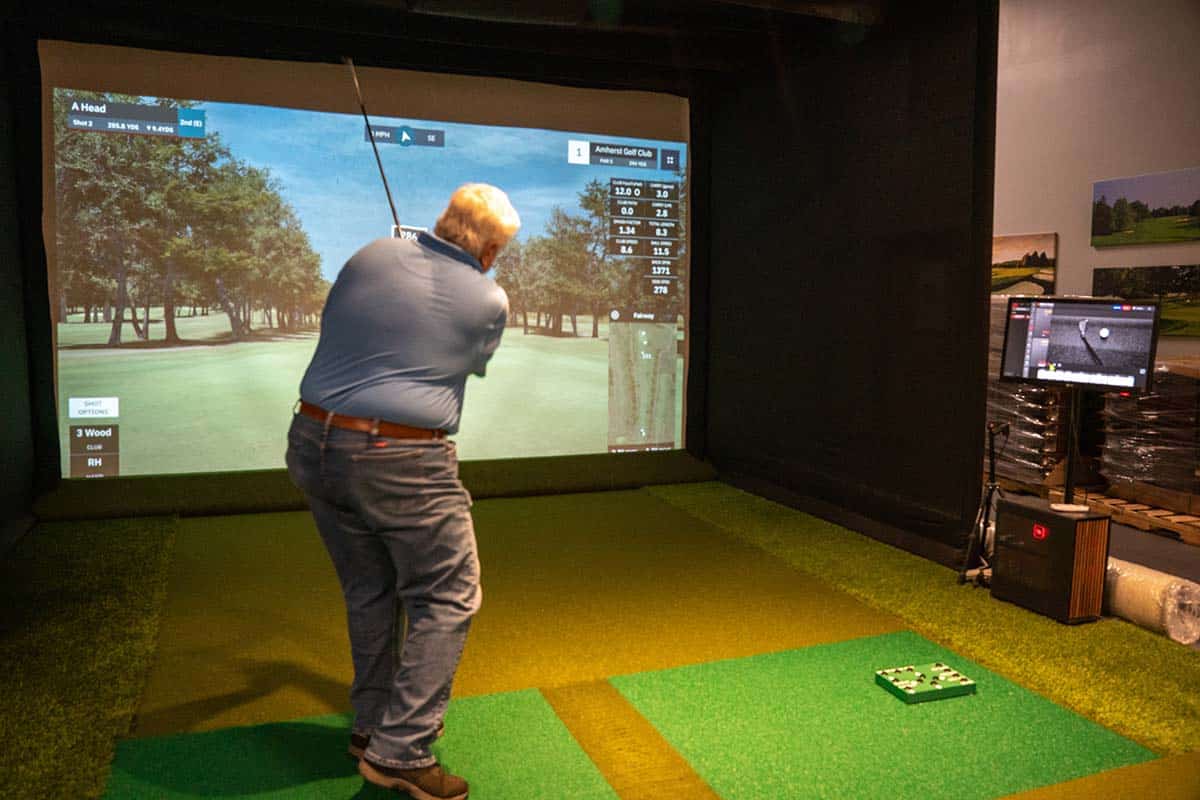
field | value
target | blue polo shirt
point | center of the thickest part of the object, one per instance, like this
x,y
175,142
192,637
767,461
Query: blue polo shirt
x,y
404,324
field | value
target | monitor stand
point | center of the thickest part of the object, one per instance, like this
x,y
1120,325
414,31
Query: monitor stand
x,y
1067,506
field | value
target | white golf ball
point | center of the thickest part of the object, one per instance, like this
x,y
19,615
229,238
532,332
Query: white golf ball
x,y
1104,333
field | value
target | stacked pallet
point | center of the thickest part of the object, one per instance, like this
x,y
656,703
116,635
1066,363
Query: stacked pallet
x,y
1153,439
1144,516
1036,417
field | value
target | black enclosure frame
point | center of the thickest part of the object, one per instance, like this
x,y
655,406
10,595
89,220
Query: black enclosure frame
x,y
791,116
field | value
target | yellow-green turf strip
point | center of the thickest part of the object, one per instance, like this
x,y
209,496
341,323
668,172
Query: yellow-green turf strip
x,y
1170,778
633,757
1139,684
509,746
575,588
812,723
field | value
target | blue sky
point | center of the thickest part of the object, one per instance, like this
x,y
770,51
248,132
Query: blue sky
x,y
327,171
1178,188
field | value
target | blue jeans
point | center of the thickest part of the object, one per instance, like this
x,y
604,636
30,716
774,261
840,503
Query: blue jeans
x,y
396,521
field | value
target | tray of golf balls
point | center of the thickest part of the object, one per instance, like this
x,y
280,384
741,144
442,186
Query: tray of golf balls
x,y
920,683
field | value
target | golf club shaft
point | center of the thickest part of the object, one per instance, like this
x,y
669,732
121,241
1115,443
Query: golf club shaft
x,y
371,135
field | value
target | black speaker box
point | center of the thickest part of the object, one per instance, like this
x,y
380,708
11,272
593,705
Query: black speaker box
x,y
1050,562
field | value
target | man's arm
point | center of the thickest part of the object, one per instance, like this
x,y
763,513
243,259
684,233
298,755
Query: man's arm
x,y
490,341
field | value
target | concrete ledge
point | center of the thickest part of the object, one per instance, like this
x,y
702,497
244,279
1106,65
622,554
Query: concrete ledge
x,y
272,490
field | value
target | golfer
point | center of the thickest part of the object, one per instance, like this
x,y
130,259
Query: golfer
x,y
405,323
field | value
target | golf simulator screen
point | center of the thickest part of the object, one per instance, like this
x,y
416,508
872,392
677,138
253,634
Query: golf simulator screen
x,y
1101,344
198,209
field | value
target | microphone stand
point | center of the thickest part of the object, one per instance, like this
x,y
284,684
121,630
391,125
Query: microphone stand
x,y
976,550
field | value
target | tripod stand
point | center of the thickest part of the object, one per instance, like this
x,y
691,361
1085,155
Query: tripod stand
x,y
977,543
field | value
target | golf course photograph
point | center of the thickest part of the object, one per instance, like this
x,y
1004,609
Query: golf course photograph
x,y
1024,263
188,275
1148,209
1175,289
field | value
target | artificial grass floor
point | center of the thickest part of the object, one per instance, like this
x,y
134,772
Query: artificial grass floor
x,y
805,723
79,611
812,723
576,588
258,597
1139,684
511,745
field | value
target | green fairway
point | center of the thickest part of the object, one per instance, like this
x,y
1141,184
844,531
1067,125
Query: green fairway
x,y
1180,318
1003,277
1155,230
1022,280
811,723
508,745
226,406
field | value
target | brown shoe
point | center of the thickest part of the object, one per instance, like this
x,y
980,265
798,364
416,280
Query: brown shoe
x,y
423,783
359,742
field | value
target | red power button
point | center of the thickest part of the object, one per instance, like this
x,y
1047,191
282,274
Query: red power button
x,y
1040,532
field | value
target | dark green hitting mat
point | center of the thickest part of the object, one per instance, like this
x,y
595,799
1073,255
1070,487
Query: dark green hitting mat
x,y
811,723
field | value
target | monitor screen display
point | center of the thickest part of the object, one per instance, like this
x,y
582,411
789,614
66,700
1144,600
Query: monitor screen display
x,y
199,209
1096,343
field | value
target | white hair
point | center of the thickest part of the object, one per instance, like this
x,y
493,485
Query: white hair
x,y
478,215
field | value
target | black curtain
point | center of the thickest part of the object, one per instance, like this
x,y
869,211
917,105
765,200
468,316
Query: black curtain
x,y
851,224
16,434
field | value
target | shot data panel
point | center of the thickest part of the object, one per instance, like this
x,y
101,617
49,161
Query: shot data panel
x,y
194,243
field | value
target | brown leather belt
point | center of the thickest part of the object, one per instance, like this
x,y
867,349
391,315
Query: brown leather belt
x,y
379,427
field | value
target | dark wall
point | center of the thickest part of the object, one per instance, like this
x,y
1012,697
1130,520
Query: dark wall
x,y
16,437
850,217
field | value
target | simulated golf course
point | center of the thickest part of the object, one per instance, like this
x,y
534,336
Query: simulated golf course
x,y
216,405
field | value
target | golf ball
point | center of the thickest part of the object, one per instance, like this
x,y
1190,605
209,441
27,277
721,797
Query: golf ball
x,y
1104,333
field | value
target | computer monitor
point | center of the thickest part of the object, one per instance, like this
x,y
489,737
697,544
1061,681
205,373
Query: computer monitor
x,y
1094,343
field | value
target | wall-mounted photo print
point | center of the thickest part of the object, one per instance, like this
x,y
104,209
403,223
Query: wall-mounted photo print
x,y
1147,209
1177,290
1024,263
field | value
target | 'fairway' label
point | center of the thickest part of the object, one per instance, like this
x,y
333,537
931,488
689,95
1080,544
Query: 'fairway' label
x,y
93,407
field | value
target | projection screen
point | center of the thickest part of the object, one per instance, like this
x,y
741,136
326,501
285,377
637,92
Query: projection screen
x,y
197,209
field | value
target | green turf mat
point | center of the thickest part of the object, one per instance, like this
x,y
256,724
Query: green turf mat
x,y
811,723
79,614
1137,683
507,746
